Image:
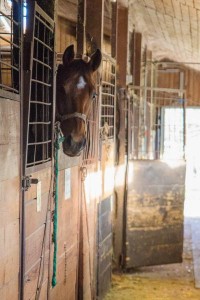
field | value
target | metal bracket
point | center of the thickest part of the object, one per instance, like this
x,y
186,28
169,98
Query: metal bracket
x,y
27,181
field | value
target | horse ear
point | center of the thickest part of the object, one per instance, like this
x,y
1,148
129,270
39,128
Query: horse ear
x,y
95,60
68,55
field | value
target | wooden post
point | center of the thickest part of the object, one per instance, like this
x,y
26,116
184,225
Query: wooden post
x,y
114,29
81,22
136,62
95,25
122,37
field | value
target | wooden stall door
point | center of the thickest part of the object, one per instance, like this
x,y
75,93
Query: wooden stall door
x,y
154,213
37,153
104,248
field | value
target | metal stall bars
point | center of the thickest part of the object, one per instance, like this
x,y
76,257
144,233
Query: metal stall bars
x,y
133,125
108,105
9,48
90,153
38,80
164,121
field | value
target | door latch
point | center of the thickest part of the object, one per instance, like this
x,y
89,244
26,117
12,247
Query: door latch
x,y
27,181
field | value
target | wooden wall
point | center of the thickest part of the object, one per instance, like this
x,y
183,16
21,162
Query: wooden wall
x,y
191,84
9,197
35,233
78,216
65,34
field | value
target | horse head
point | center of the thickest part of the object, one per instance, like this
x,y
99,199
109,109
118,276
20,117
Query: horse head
x,y
74,96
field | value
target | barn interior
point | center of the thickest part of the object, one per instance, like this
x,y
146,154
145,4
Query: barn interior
x,y
122,220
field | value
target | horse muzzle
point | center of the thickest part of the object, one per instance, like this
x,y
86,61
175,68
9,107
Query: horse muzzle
x,y
73,148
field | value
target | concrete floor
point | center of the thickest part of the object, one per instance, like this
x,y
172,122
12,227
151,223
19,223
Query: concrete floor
x,y
165,282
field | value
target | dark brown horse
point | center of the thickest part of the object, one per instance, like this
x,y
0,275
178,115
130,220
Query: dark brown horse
x,y
75,93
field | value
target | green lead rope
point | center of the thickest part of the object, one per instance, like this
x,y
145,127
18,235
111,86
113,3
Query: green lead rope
x,y
58,140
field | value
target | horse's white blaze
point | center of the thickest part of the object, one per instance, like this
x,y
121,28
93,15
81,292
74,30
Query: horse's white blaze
x,y
81,83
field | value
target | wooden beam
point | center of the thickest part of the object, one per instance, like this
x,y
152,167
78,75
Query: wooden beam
x,y
122,37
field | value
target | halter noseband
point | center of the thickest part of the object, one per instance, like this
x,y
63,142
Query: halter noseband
x,y
74,115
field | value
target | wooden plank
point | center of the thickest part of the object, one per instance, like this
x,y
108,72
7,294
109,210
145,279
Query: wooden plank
x,y
67,278
150,3
34,219
10,291
9,262
168,8
31,278
197,4
34,247
159,7
45,177
69,7
9,137
9,201
43,293
67,162
177,10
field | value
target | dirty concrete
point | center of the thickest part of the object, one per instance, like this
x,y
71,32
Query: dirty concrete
x,y
165,282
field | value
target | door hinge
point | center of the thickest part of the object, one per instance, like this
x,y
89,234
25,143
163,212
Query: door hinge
x,y
27,181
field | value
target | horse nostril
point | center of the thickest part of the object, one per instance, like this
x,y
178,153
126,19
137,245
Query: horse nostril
x,y
69,140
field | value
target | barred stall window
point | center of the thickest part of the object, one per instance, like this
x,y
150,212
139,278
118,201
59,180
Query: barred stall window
x,y
156,125
9,48
39,44
108,98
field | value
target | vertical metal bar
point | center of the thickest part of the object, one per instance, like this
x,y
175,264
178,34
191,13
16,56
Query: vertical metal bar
x,y
25,107
152,112
144,96
162,131
182,78
22,159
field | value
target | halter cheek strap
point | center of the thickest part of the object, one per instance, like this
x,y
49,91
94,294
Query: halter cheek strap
x,y
76,114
